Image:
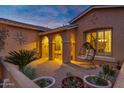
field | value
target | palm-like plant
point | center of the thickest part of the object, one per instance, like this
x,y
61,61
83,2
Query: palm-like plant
x,y
21,58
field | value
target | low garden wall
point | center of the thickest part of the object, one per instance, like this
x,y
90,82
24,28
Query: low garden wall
x,y
16,78
119,83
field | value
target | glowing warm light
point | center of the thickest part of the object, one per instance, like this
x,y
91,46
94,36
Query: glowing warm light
x,y
45,47
57,60
45,39
102,40
57,47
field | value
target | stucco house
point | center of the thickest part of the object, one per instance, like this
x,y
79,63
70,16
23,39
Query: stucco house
x,y
102,26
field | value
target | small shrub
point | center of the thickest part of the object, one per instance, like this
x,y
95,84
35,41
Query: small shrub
x,y
72,82
107,72
29,72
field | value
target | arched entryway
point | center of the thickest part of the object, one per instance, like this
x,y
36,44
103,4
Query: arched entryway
x,y
45,47
57,47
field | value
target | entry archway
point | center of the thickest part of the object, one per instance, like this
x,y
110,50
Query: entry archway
x,y
57,47
45,47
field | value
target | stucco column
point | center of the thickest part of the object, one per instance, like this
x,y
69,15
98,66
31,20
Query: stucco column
x,y
66,47
50,47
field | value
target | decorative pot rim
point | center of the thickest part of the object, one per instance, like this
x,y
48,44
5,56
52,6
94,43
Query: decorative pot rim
x,y
46,77
107,86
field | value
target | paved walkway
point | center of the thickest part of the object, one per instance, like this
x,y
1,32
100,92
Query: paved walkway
x,y
59,70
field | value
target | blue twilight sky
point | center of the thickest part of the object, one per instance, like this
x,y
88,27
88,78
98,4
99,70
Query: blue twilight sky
x,y
43,15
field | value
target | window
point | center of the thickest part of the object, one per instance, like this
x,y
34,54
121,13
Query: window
x,y
100,40
91,38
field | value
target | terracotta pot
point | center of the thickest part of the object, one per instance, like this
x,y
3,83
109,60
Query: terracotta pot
x,y
87,84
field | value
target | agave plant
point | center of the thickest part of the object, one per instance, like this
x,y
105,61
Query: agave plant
x,y
21,58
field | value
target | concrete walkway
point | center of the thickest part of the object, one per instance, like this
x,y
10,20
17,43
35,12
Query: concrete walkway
x,y
59,70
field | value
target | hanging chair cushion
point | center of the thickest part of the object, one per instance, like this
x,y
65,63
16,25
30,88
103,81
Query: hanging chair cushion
x,y
88,56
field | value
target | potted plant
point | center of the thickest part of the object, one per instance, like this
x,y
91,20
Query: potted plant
x,y
93,81
102,80
45,81
72,81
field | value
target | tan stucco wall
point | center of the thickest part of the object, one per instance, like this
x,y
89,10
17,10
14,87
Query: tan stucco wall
x,y
103,18
12,44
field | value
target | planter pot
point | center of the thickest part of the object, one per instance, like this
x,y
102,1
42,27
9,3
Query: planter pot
x,y
88,84
72,82
48,79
